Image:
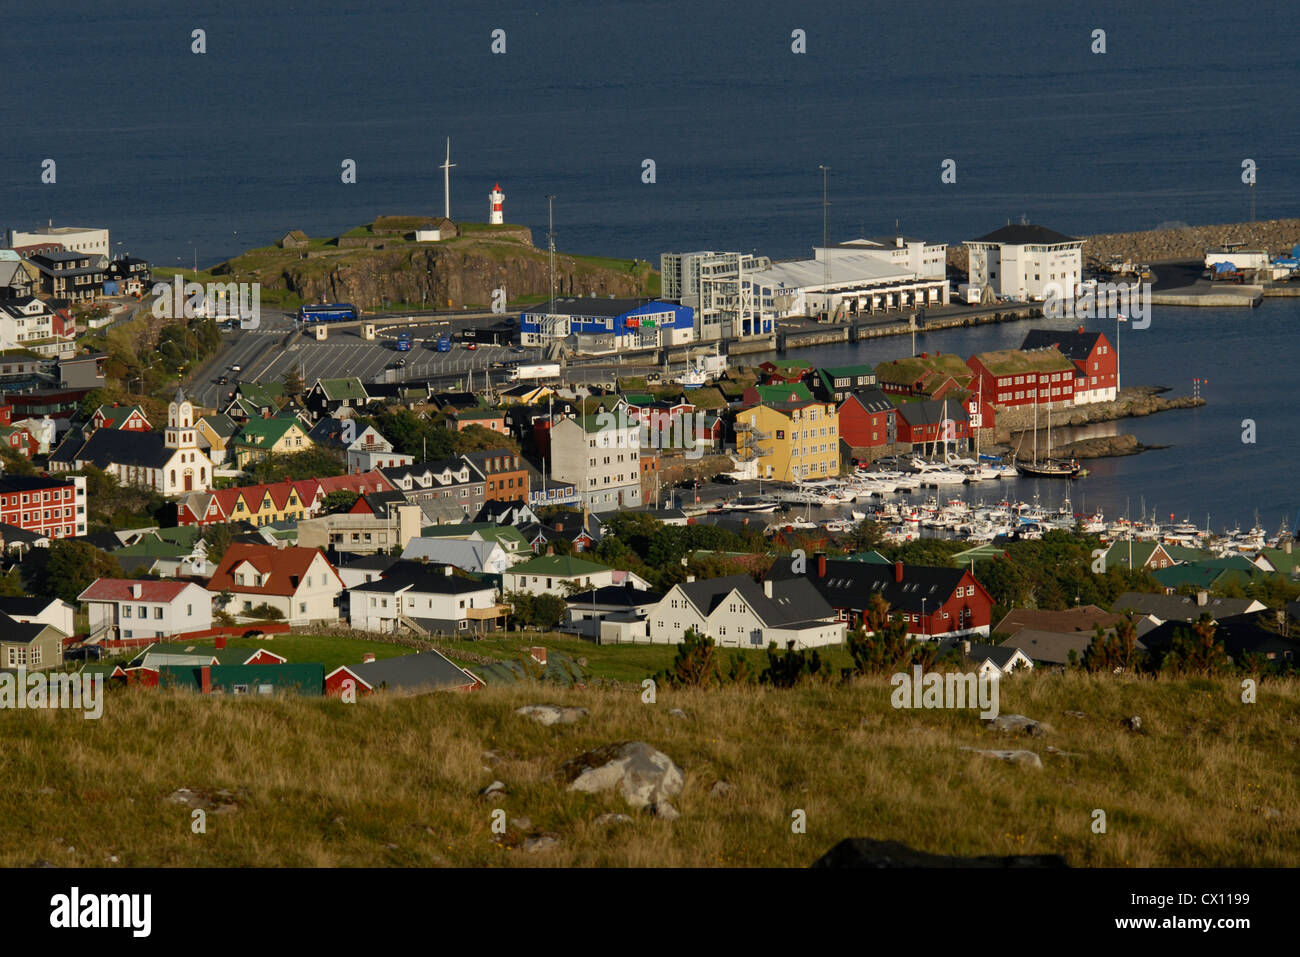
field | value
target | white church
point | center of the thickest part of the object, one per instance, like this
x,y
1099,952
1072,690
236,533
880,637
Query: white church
x,y
169,462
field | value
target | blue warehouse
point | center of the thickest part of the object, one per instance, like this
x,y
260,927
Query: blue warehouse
x,y
594,326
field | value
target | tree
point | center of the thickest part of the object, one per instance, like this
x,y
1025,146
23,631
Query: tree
x,y
72,566
793,667
1197,652
695,665
218,538
549,610
883,647
1114,651
340,501
15,463
293,385
315,462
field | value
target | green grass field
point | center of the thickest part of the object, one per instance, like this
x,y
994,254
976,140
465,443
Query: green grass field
x,y
393,781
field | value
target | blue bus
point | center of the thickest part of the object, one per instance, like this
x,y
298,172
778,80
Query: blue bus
x,y
328,312
404,342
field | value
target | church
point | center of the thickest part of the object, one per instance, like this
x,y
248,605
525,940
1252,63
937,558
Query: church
x,y
170,462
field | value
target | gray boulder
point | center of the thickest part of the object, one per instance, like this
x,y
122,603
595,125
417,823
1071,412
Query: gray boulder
x,y
1027,759
642,774
549,714
1018,724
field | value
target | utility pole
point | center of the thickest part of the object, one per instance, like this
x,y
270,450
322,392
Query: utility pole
x,y
826,250
446,182
550,242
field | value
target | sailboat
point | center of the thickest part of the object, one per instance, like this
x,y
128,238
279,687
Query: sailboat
x,y
1047,468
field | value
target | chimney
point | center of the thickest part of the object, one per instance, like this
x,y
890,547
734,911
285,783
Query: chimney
x,y
821,564
368,657
550,549
1202,598
690,578
965,647
220,642
1081,330
1286,546
205,679
898,571
767,587
538,654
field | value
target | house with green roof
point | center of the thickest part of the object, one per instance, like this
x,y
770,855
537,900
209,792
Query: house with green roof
x,y
777,394
328,396
837,383
549,575
1210,573
256,399
1129,554
271,679
1281,561
930,376
258,439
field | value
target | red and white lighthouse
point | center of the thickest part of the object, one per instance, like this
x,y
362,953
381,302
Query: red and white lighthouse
x,y
496,217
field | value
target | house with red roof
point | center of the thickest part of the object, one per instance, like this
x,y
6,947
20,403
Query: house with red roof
x,y
129,418
300,583
280,501
124,609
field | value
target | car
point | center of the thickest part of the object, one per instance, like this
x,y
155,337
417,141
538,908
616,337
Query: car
x,y
400,363
471,346
722,478
222,380
236,368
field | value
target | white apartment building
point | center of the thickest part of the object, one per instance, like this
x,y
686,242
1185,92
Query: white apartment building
x,y
600,456
1020,261
30,324
82,239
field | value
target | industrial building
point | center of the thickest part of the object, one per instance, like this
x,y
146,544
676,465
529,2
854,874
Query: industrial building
x,y
924,259
75,238
847,286
593,326
1020,261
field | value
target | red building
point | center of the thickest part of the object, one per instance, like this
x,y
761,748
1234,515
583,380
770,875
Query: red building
x,y
1096,365
867,419
929,422
1013,377
935,602
53,507
127,418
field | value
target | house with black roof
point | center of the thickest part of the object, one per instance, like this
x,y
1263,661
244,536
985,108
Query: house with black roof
x,y
736,612
1258,634
425,598
1026,262
935,601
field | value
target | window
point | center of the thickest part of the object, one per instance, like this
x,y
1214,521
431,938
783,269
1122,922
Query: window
x,y
158,612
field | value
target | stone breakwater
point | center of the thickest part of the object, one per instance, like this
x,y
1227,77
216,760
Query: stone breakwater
x,y
1182,242
1134,402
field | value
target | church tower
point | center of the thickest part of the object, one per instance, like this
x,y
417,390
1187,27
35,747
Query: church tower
x,y
180,423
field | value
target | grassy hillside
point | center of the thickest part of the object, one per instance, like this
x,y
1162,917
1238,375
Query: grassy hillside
x,y
395,781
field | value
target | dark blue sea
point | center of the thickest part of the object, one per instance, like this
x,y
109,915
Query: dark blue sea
x,y
187,156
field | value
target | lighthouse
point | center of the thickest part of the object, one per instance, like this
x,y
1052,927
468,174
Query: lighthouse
x,y
496,217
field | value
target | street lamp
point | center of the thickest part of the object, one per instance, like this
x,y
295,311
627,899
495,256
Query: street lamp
x,y
923,631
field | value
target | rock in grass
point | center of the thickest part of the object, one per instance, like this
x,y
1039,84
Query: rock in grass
x,y
678,713
549,714
665,810
866,852
721,788
1018,724
611,819
494,789
214,800
1027,759
542,842
642,774
1133,723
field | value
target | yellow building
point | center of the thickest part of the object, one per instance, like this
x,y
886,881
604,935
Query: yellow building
x,y
260,438
791,440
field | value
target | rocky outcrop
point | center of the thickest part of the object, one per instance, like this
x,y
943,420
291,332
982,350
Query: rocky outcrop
x,y
866,852
1101,447
463,273
1018,724
1027,759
